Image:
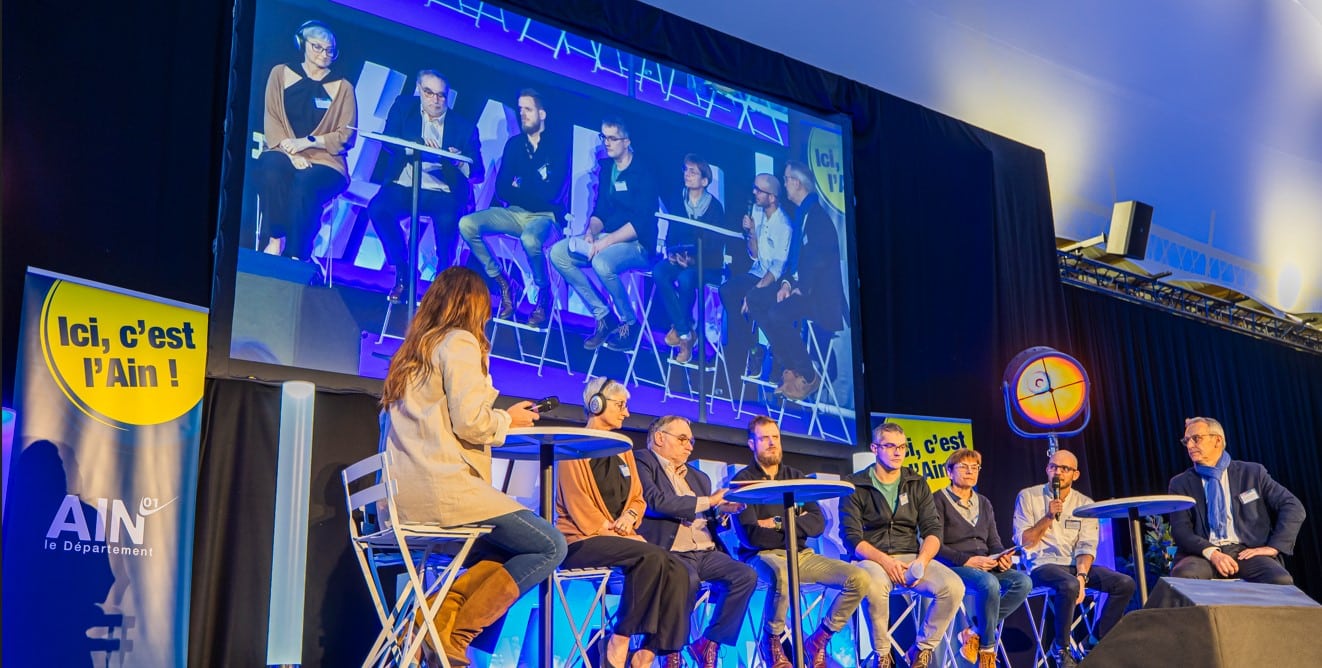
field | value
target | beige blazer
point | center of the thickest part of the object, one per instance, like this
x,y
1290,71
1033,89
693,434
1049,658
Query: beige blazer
x,y
440,439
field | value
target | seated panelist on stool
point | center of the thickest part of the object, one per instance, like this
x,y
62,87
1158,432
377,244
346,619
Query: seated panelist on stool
x,y
446,187
767,230
533,186
1060,549
761,531
309,111
1242,520
439,397
880,524
600,507
621,236
676,274
972,548
683,516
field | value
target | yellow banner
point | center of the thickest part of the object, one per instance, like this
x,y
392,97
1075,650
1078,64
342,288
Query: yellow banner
x,y
931,440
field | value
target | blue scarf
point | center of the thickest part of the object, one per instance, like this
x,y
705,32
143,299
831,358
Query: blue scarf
x,y
1217,510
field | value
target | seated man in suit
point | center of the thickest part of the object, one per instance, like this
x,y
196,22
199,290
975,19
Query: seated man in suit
x,y
811,288
1241,521
446,187
761,531
682,516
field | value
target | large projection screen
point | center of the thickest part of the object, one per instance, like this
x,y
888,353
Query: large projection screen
x,y
318,204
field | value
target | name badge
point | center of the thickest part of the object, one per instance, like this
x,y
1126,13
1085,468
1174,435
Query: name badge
x,y
624,468
322,102
621,186
1073,525
904,500
1249,496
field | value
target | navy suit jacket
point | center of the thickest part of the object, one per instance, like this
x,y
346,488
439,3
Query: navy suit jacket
x,y
666,509
1273,519
405,122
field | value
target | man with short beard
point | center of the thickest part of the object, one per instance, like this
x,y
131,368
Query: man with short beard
x,y
762,544
533,183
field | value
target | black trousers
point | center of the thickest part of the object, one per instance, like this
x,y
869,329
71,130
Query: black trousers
x,y
1119,589
655,601
739,326
782,323
395,202
292,201
733,584
1261,569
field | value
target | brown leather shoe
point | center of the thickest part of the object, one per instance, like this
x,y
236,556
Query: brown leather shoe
x,y
803,388
705,652
773,653
814,647
505,308
969,644
987,659
919,658
685,346
672,338
675,660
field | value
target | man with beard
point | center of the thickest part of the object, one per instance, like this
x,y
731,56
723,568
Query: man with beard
x,y
533,182
1059,549
761,533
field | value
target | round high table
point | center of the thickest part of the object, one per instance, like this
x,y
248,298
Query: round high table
x,y
548,445
1134,507
789,493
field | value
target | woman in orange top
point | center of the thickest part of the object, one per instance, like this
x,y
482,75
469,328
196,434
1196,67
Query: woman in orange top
x,y
599,503
309,111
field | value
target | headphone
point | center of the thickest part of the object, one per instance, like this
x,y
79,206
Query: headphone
x,y
298,34
597,402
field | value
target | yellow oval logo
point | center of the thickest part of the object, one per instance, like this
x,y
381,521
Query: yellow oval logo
x,y
826,160
121,357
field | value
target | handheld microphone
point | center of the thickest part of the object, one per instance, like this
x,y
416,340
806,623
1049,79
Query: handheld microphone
x,y
1055,493
546,404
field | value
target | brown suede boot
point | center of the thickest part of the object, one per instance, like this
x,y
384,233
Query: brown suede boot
x,y
483,607
462,587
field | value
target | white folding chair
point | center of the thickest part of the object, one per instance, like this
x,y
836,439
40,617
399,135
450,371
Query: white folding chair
x,y
1086,615
583,634
912,612
417,547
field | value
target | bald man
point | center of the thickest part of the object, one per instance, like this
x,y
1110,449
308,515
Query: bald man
x,y
1059,549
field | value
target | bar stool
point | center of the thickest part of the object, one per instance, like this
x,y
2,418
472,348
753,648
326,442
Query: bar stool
x,y
1086,615
598,609
510,259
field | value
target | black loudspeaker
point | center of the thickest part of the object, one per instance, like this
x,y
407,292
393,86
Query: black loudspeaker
x,y
1215,624
1130,223
282,322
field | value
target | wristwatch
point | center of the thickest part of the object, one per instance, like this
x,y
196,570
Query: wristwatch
x,y
1083,575
780,523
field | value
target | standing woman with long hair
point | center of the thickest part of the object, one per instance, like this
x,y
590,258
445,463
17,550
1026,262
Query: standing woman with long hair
x,y
442,426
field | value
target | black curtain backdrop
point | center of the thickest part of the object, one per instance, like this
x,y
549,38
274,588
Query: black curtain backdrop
x,y
112,174
1151,370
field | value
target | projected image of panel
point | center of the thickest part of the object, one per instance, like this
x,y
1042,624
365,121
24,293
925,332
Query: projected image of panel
x,y
633,220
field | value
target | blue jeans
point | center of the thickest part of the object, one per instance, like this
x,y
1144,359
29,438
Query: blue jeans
x,y
608,264
995,596
528,545
532,229
678,288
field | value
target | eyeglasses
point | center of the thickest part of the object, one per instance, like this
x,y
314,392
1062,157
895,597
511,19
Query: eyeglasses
x,y
624,403
1196,439
435,95
682,438
1062,468
610,139
893,447
969,468
319,49
764,192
